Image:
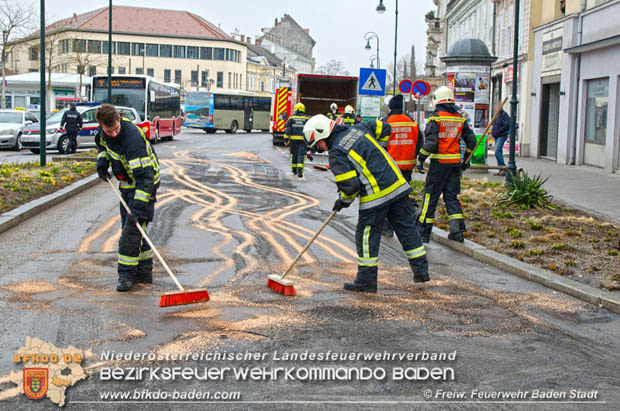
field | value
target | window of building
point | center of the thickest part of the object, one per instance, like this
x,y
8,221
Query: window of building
x,y
152,50
218,54
229,78
194,78
262,86
177,76
150,72
80,69
206,53
193,52
79,46
33,54
165,50
123,48
139,70
596,111
121,70
92,70
137,49
94,46
179,52
204,77
220,79
64,46
105,47
167,76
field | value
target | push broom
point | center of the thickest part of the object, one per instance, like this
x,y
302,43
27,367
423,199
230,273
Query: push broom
x,y
284,286
172,298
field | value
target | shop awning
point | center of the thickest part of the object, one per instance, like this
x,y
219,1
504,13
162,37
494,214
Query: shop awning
x,y
594,45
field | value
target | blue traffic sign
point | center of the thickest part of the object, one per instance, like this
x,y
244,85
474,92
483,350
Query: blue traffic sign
x,y
405,86
421,88
372,81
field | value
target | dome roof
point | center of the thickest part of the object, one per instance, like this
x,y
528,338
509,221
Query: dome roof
x,y
469,51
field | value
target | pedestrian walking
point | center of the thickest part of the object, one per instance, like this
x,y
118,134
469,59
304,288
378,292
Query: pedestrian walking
x,y
501,128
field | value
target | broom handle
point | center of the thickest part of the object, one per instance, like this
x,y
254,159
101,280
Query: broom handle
x,y
148,240
309,243
486,130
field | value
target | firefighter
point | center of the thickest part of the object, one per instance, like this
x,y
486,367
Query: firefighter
x,y
403,144
123,146
443,134
294,136
72,122
333,112
349,116
362,168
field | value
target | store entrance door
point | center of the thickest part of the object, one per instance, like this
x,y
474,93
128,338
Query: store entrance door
x,y
549,119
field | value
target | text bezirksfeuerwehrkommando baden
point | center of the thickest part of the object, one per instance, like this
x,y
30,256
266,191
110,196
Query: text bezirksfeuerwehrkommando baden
x,y
279,356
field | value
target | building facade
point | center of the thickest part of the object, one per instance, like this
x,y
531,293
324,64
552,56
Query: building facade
x,y
172,46
289,42
575,112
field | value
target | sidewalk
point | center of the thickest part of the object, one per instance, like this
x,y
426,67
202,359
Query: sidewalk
x,y
586,188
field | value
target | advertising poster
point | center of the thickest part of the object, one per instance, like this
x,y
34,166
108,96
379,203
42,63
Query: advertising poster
x,y
464,87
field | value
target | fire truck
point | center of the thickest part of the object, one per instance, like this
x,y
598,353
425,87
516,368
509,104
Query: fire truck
x,y
316,92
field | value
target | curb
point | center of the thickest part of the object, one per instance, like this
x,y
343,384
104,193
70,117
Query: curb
x,y
69,158
529,272
12,218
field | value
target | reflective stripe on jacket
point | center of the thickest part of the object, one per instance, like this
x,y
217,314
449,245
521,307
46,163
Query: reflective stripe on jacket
x,y
294,129
362,167
403,141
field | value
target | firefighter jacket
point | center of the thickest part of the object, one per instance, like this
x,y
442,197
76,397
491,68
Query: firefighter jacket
x,y
72,120
133,162
443,135
362,167
333,116
294,129
349,119
405,141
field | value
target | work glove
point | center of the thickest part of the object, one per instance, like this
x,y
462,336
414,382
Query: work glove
x,y
135,218
465,165
103,173
309,156
421,160
420,168
287,143
340,204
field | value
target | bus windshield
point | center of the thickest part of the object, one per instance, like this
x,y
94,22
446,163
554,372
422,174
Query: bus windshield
x,y
128,97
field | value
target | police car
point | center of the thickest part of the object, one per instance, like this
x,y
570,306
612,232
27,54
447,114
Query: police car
x,y
56,138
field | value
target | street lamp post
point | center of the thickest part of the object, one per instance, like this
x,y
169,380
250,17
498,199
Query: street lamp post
x,y
381,9
42,91
374,58
512,164
5,35
368,36
110,53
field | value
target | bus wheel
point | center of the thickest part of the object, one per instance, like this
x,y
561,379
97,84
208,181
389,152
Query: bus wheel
x,y
233,127
172,136
156,139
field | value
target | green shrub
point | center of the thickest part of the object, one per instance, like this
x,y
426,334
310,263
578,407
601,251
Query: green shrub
x,y
535,226
527,191
517,244
560,246
536,251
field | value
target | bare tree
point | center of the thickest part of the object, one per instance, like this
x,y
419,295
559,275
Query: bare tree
x,y
82,58
334,68
16,18
406,68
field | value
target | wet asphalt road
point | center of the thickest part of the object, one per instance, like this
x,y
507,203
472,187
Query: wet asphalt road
x,y
227,216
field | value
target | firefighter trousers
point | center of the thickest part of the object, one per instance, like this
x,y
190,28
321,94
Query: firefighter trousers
x,y
387,228
442,179
401,214
298,156
135,257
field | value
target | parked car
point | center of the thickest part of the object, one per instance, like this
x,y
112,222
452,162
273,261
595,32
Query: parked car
x,y
12,124
56,138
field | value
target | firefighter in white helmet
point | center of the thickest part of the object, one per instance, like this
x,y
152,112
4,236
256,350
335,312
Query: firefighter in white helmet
x,y
294,137
333,113
349,116
362,168
442,138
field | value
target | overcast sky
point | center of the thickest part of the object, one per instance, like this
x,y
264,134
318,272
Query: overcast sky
x,y
337,26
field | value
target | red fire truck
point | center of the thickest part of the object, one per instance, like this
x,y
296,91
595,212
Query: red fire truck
x,y
316,92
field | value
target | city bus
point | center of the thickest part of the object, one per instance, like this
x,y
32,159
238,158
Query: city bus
x,y
229,111
158,104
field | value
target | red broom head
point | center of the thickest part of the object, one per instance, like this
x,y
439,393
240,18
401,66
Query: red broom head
x,y
183,297
281,286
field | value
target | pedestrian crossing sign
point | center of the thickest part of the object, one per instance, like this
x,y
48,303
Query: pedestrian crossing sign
x,y
372,82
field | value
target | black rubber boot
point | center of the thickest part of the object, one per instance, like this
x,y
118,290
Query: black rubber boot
x,y
419,266
360,286
456,237
124,284
145,278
